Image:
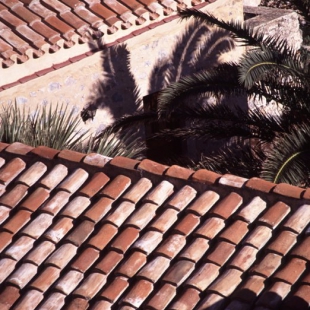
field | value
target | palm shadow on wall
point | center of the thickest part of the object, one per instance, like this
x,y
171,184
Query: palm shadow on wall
x,y
199,47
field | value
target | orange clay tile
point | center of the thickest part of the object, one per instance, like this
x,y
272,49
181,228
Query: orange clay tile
x,y
8,297
204,203
275,215
22,275
102,305
267,266
54,299
292,270
97,182
171,246
56,203
59,230
152,167
46,278
154,269
204,276
7,265
20,247
29,300
91,285
148,242
40,252
179,172
195,250
187,300
260,185
142,216
160,193
125,239
235,232
85,259
214,301
124,163
62,256
116,187
5,239
118,215
36,199
74,208
299,219
96,212
232,180
14,196
227,206
182,198
300,298
221,253
258,237
227,282
103,236
303,249
77,303
288,190
136,192
32,174
210,228
74,181
17,221
4,213
162,297
109,262
187,224
205,177
179,272
45,152
250,289
283,243
96,160
54,177
115,289
69,281
139,292
244,259
163,222
80,233
252,210
19,148
132,264
71,155
272,297
38,226
11,170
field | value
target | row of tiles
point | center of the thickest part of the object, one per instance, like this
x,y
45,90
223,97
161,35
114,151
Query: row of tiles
x,y
30,29
145,244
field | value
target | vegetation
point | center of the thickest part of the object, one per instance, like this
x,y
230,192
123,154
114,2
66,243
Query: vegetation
x,y
271,143
59,128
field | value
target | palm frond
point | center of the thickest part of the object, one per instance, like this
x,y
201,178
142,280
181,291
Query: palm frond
x,y
288,158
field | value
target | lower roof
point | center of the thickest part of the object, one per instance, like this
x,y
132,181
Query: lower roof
x,y
82,231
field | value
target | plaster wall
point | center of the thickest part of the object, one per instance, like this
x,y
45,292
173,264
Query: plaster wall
x,y
113,80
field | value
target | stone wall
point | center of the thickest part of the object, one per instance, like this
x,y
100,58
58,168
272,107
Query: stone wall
x,y
113,80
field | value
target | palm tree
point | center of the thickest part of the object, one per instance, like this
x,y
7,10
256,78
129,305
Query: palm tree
x,y
258,143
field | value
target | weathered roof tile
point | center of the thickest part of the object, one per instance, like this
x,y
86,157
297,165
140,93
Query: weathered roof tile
x,y
94,242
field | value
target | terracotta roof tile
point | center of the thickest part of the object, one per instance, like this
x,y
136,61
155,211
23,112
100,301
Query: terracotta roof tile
x,y
163,222
54,177
44,281
227,206
116,187
132,264
163,297
20,248
98,239
11,170
109,262
268,265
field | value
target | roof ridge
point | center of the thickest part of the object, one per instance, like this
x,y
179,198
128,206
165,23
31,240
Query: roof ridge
x,y
201,179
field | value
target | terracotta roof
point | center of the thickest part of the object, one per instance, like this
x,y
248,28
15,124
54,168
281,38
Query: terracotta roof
x,y
30,29
86,232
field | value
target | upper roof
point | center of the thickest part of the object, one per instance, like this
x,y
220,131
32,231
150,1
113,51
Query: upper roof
x,y
32,28
88,232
